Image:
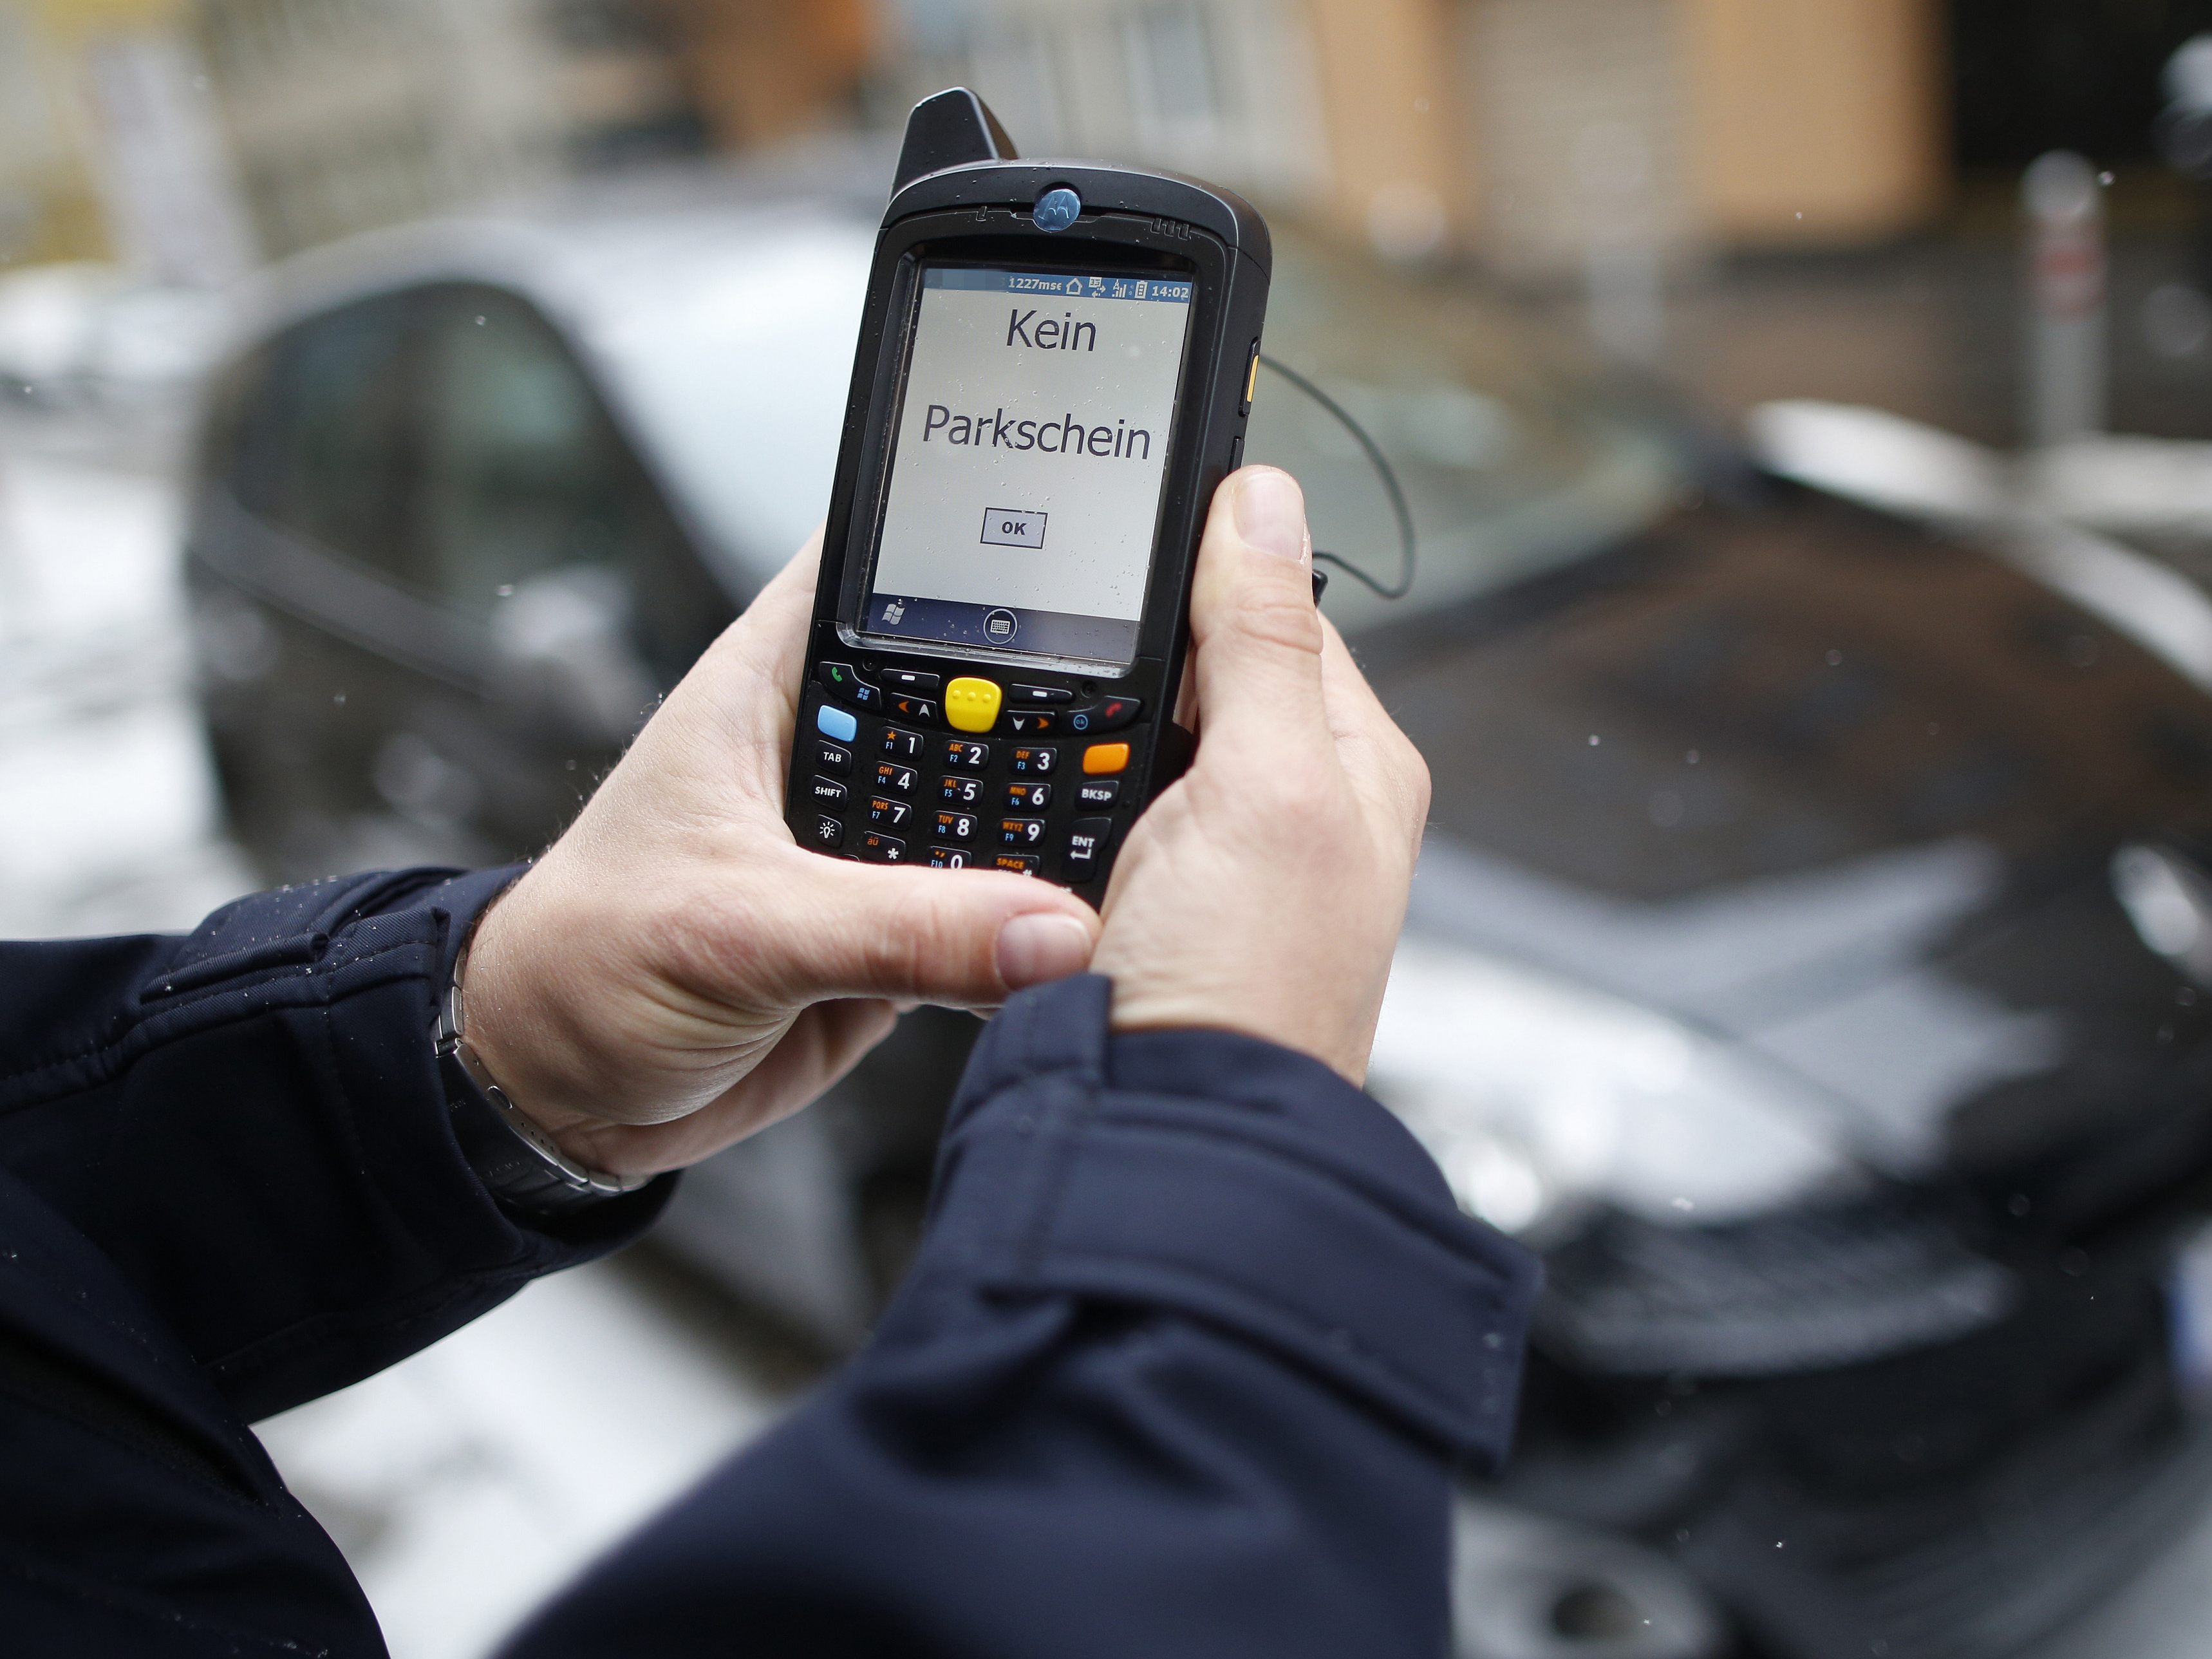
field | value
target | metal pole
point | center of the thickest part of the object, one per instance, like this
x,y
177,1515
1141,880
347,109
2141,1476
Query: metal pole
x,y
1623,275
2065,202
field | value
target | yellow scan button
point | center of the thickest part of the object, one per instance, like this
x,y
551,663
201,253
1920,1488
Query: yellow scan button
x,y
972,705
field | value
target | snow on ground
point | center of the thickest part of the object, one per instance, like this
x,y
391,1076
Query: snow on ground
x,y
108,816
467,1483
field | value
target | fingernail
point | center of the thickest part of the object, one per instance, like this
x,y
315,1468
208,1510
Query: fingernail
x,y
1271,513
1042,946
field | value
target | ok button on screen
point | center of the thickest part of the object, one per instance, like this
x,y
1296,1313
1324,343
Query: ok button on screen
x,y
1005,529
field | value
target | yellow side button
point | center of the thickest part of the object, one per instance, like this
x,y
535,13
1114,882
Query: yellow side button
x,y
1105,757
972,705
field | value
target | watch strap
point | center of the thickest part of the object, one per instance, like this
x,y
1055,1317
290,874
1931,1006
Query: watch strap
x,y
521,1164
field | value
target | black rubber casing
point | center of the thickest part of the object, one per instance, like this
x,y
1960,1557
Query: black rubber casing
x,y
980,213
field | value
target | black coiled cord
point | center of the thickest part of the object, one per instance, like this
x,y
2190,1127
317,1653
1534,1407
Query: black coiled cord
x,y
1399,510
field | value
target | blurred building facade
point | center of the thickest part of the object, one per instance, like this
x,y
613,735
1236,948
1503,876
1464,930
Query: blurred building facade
x,y
1521,129
1529,132
1232,90
348,114
186,137
758,70
1699,124
109,145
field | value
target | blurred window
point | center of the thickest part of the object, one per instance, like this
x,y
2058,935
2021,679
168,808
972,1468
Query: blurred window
x,y
524,473
1172,58
321,430
519,474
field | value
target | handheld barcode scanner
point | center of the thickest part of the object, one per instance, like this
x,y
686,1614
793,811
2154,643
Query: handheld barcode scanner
x,y
1053,373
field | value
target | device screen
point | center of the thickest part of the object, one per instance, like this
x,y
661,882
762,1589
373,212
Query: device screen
x,y
1026,471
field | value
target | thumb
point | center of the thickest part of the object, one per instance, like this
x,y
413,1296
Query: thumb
x,y
1252,612
967,938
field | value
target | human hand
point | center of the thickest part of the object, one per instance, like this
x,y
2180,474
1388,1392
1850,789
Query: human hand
x,y
1264,891
677,972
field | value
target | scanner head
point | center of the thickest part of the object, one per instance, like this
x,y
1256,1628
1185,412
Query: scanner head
x,y
950,129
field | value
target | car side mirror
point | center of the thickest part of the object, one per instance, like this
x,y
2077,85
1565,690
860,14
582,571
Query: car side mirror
x,y
562,652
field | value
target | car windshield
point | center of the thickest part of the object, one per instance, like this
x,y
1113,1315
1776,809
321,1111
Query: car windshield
x,y
1513,455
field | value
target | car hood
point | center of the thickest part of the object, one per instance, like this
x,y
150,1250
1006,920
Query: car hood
x,y
1847,798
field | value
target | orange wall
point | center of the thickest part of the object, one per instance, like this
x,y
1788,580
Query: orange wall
x,y
1800,122
1832,110
760,69
1391,97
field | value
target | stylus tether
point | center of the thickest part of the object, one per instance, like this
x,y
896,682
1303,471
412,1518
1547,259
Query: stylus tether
x,y
1376,458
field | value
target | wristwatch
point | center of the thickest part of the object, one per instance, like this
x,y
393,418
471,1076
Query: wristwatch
x,y
514,1158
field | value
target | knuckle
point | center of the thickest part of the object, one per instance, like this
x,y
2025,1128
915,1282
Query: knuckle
x,y
696,939
1417,783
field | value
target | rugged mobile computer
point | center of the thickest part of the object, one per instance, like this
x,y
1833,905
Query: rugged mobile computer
x,y
1054,369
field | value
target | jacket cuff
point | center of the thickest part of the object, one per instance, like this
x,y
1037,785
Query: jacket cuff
x,y
1238,1182
327,941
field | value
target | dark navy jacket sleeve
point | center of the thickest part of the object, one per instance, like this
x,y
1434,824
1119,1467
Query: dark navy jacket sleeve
x,y
1193,1340
247,1121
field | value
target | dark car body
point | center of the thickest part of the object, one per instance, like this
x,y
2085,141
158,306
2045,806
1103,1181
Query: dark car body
x,y
1860,811
1836,880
